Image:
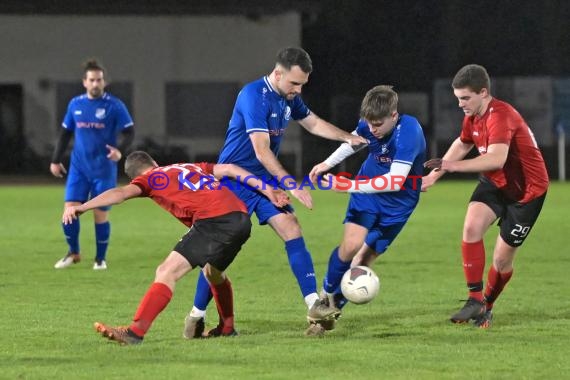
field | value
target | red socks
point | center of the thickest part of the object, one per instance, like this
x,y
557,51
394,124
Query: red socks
x,y
153,302
496,282
473,267
224,297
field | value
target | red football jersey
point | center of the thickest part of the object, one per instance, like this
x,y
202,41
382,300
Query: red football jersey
x,y
524,176
189,192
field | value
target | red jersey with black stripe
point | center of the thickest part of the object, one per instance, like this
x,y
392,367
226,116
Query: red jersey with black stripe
x,y
524,176
189,192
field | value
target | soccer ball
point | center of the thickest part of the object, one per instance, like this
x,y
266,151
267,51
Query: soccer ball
x,y
360,285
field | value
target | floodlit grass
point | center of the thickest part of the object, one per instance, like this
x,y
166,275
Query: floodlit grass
x,y
46,315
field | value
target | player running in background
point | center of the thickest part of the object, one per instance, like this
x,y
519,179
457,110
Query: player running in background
x,y
219,226
95,119
260,117
512,187
386,194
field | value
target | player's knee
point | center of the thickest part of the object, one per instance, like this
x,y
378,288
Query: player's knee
x,y
348,250
472,232
288,228
166,272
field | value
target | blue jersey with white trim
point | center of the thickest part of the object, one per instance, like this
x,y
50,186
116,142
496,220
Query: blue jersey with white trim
x,y
405,144
95,123
259,108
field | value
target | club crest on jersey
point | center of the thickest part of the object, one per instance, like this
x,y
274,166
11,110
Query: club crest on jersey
x,y
100,113
287,113
384,149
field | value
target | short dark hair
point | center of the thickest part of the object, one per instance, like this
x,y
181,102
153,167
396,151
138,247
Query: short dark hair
x,y
474,77
378,103
292,56
137,162
92,65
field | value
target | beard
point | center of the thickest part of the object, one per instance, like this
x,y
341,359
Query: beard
x,y
95,92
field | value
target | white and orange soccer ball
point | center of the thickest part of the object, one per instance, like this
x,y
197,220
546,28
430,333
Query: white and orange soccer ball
x,y
360,285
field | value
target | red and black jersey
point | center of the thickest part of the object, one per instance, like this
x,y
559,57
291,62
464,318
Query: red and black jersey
x,y
524,176
189,192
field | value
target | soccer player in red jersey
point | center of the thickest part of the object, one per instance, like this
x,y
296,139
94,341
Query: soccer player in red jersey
x,y
512,187
219,226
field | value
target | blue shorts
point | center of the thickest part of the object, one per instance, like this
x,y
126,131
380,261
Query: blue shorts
x,y
80,188
259,204
380,235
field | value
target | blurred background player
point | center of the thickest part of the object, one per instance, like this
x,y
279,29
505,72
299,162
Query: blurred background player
x,y
95,119
379,208
260,117
512,187
218,222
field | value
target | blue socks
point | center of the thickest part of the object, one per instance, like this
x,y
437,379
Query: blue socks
x,y
336,269
301,264
71,232
203,293
102,234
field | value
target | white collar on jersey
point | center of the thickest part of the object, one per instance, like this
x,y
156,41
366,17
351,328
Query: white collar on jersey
x,y
266,80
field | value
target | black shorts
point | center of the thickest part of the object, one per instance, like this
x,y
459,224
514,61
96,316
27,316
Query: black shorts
x,y
215,241
515,219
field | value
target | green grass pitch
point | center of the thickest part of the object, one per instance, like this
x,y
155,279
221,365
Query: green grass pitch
x,y
47,315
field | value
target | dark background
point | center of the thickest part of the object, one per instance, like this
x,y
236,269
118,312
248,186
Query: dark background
x,y
407,43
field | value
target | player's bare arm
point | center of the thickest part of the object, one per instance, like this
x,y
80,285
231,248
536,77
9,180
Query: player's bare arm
x,y
456,152
493,159
278,197
108,198
263,153
319,127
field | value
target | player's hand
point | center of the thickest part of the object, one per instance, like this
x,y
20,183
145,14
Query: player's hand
x,y
434,164
438,164
70,213
329,181
278,197
114,153
427,182
304,197
356,140
317,171
58,170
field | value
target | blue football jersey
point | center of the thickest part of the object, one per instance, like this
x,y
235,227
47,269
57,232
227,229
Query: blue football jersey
x,y
95,123
258,108
405,144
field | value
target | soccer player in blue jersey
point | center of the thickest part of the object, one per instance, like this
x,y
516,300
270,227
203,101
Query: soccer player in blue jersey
x,y
96,120
385,191
259,121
